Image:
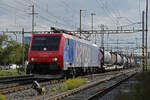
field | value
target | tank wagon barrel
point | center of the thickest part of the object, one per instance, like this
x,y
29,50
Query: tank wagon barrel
x,y
113,58
107,57
119,60
125,62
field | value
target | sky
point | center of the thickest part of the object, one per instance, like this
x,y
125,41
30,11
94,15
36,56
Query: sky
x,y
16,14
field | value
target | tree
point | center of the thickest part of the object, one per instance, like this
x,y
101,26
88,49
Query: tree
x,y
11,51
26,51
3,42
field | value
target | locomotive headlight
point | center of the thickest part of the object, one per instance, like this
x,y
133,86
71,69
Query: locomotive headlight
x,y
33,59
54,59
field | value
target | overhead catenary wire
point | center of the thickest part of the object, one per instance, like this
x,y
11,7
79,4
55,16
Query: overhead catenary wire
x,y
18,12
51,20
59,20
101,6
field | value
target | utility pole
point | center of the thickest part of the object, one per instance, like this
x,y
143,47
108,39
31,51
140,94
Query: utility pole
x,y
102,36
117,45
102,45
23,46
33,13
80,21
32,19
143,46
92,14
146,32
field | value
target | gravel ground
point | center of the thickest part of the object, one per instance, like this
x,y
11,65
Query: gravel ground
x,y
123,88
22,95
29,93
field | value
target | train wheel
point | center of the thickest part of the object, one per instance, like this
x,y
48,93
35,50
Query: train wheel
x,y
29,69
70,73
73,73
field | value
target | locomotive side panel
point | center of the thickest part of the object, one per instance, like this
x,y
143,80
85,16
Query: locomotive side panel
x,y
78,54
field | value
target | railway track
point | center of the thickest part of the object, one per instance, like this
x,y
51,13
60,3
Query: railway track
x,y
58,96
19,84
102,91
12,83
23,85
11,79
14,87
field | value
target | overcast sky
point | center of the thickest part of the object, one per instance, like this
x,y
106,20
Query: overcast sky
x,y
14,15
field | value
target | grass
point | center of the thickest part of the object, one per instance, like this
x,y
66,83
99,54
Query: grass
x,y
69,84
141,90
2,97
11,72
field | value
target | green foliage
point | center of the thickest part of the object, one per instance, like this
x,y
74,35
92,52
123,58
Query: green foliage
x,y
70,84
141,90
2,97
12,52
26,49
55,88
21,70
11,72
3,40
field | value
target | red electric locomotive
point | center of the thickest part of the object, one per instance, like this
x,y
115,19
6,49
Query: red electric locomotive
x,y
61,54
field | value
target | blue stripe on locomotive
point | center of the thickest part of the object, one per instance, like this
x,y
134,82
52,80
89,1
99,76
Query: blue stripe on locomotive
x,y
69,52
78,52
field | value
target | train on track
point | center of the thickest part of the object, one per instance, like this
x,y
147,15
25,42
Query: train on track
x,y
63,55
114,61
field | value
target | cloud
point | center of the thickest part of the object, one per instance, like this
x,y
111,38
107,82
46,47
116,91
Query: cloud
x,y
65,14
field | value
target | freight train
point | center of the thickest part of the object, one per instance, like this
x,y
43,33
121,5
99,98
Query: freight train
x,y
64,55
114,61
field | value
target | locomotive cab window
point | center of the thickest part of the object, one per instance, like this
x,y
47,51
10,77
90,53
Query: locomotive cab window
x,y
45,43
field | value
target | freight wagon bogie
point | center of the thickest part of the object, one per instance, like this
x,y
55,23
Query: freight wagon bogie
x,y
79,71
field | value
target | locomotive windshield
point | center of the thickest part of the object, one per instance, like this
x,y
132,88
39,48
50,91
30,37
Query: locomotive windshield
x,y
45,43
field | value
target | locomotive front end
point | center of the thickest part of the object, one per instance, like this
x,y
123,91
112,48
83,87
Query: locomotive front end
x,y
45,55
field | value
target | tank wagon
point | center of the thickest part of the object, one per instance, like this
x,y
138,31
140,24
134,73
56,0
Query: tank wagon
x,y
115,61
63,55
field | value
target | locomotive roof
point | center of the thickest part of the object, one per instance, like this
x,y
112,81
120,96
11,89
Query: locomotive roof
x,y
69,37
